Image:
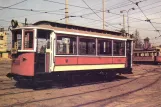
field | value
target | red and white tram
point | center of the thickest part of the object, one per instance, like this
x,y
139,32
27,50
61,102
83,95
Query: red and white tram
x,y
49,49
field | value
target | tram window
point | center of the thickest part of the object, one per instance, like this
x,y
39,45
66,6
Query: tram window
x,y
28,39
48,44
149,54
118,48
138,54
66,45
87,46
146,54
17,39
142,54
155,54
43,40
104,47
41,45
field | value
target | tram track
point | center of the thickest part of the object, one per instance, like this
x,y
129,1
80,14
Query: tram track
x,y
77,94
12,88
115,98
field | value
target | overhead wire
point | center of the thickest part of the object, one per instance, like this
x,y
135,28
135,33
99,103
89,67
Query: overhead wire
x,y
117,4
112,9
90,18
4,20
143,29
35,14
69,4
136,12
13,4
147,19
98,11
96,20
139,11
149,8
98,15
119,15
88,8
36,10
41,10
33,10
132,17
102,11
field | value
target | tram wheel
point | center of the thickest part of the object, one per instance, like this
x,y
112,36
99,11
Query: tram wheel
x,y
34,84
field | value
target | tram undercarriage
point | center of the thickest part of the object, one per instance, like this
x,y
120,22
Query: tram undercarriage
x,y
69,78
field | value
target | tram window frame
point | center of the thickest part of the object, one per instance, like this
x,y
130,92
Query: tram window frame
x,y
104,49
154,53
32,41
86,45
72,45
138,54
117,52
43,40
17,43
135,54
150,54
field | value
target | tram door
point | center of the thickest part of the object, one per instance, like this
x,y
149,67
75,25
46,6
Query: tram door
x,y
129,53
44,53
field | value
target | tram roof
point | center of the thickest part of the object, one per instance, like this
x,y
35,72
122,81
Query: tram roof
x,y
76,27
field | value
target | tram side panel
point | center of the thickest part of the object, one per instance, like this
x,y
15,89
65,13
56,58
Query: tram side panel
x,y
23,64
63,63
158,59
100,61
143,59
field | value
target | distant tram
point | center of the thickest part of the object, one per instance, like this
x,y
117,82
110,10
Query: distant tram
x,y
152,56
48,50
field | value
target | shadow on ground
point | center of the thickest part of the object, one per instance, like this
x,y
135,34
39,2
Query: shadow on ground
x,y
72,82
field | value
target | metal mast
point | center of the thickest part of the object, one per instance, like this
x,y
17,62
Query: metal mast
x,y
103,5
123,21
66,12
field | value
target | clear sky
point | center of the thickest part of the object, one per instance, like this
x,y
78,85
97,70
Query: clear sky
x,y
54,10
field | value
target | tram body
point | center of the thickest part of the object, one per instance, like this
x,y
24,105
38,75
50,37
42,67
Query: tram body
x,y
49,49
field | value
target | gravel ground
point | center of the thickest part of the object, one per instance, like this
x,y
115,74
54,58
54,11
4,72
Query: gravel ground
x,y
140,89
